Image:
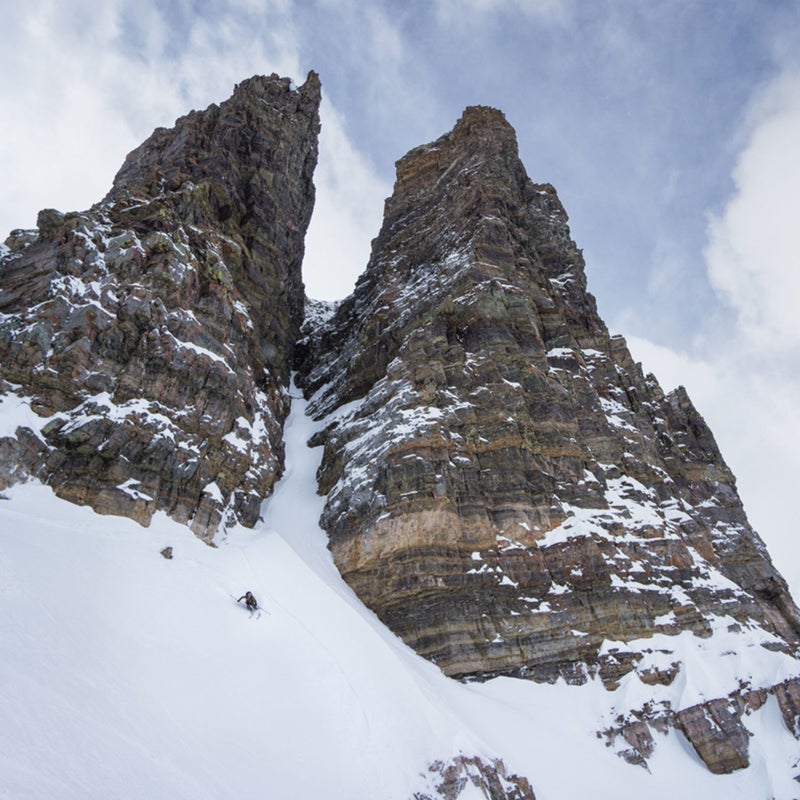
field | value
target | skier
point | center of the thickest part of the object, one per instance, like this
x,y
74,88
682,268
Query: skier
x,y
249,601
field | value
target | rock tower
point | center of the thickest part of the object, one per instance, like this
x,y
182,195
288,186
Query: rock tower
x,y
510,493
156,331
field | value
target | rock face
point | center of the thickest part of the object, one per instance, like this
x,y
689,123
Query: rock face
x,y
155,332
510,493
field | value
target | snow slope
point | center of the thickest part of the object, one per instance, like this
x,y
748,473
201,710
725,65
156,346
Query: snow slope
x,y
126,675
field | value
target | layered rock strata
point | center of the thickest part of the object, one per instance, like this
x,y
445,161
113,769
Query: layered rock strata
x,y
153,335
505,487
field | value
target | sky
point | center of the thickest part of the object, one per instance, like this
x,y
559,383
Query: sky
x,y
669,129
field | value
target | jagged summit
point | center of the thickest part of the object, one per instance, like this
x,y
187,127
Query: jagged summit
x,y
154,333
218,142
482,133
512,493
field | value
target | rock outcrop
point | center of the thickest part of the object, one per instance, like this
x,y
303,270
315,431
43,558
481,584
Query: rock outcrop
x,y
717,729
465,775
153,335
505,487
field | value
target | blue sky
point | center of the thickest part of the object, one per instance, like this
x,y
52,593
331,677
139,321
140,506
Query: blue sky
x,y
670,130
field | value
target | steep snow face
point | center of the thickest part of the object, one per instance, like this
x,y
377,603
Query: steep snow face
x,y
128,675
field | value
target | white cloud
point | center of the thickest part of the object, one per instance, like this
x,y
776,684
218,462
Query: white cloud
x,y
753,253
347,214
385,40
743,377
472,10
56,134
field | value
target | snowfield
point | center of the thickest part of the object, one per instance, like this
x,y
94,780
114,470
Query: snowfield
x,y
126,675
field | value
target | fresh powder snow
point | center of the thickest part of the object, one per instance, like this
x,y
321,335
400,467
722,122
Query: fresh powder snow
x,y
127,675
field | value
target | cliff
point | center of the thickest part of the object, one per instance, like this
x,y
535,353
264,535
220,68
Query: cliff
x,y
154,333
505,488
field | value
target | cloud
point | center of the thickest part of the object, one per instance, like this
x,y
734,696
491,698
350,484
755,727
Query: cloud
x,y
753,254
743,375
466,11
56,134
347,214
385,39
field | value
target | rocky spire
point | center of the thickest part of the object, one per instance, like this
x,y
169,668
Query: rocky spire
x,y
254,155
155,332
512,493
504,486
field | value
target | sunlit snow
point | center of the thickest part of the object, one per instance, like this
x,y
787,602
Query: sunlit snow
x,y
127,675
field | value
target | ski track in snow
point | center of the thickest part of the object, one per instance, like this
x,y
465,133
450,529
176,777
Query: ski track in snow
x,y
125,675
